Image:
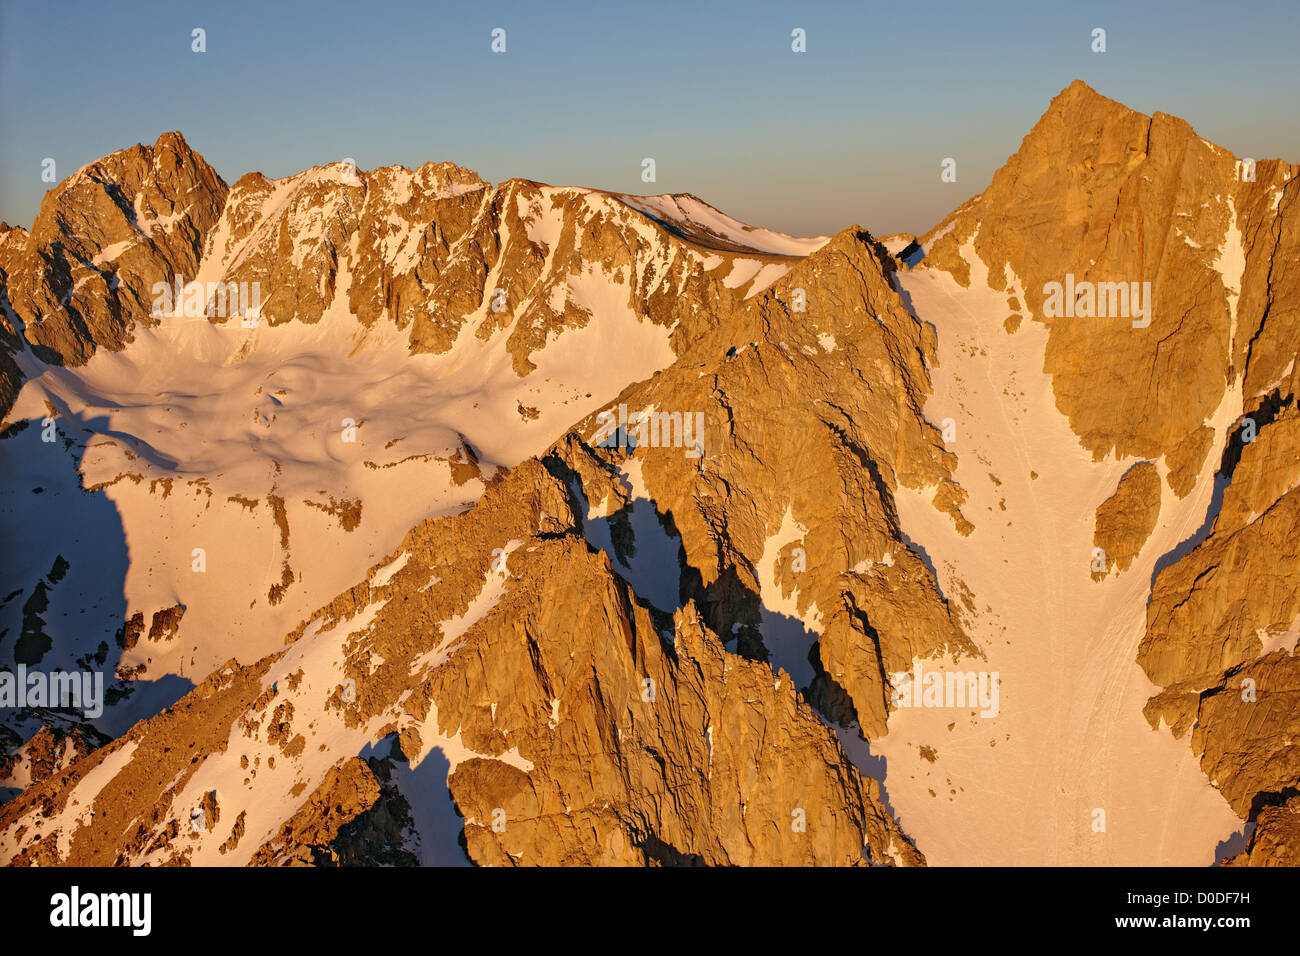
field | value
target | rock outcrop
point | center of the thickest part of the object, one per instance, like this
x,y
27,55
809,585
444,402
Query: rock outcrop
x,y
1126,519
84,276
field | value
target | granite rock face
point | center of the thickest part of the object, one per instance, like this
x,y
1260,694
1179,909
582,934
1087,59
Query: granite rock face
x,y
1125,519
1275,839
84,275
1104,194
779,484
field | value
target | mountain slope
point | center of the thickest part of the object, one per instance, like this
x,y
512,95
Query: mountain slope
x,y
1100,193
454,633
363,350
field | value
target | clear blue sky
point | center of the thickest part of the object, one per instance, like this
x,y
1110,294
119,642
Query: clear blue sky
x,y
853,130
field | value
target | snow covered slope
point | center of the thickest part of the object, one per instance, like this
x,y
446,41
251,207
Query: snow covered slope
x,y
1025,786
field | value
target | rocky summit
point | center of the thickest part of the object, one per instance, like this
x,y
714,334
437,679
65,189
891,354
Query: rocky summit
x,y
402,518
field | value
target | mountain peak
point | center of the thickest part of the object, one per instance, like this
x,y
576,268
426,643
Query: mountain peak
x,y
172,139
1080,95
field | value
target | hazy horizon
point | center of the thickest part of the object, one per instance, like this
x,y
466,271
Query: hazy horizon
x,y
851,131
